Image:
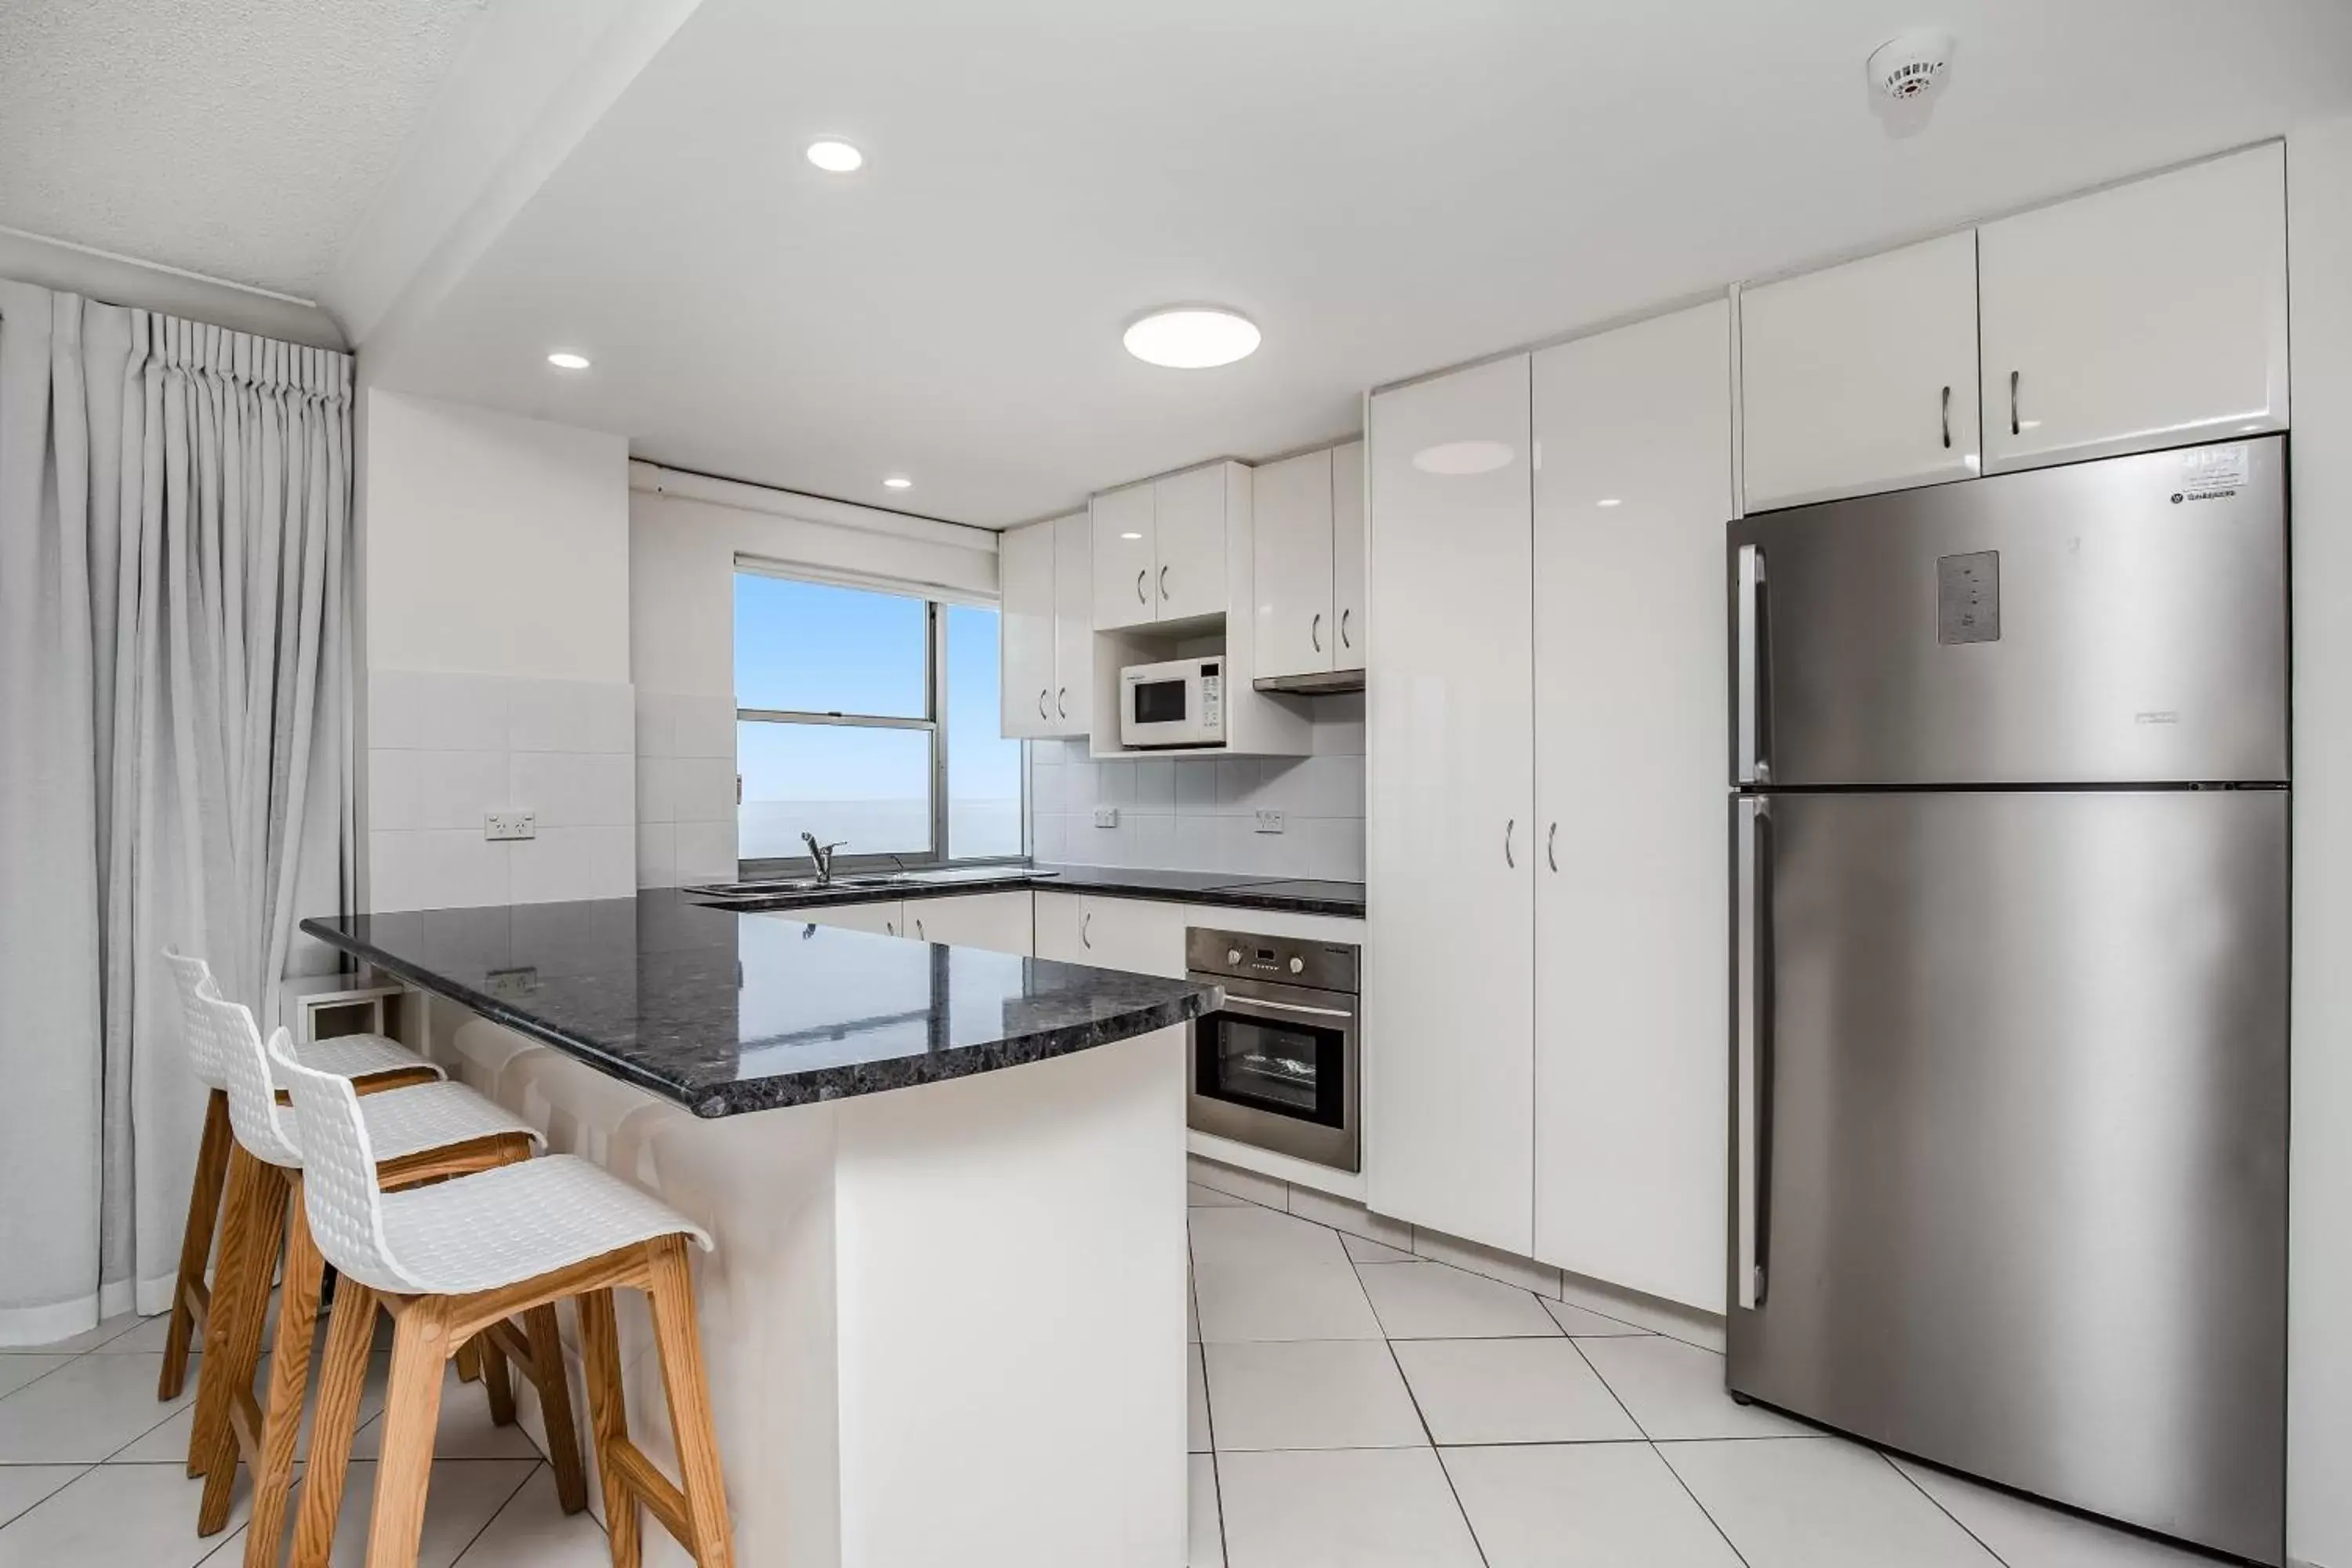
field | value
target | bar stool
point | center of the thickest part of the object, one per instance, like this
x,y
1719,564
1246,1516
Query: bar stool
x,y
444,1260
423,1133
374,1062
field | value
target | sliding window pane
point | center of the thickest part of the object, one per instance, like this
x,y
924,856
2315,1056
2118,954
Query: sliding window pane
x,y
810,648
983,768
866,789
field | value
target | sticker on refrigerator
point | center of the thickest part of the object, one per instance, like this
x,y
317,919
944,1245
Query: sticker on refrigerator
x,y
1968,598
2210,473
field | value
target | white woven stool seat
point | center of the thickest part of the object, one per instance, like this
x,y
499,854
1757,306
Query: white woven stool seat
x,y
432,1116
515,1223
345,1055
363,1057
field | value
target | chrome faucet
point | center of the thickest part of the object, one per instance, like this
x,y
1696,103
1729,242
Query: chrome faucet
x,y
822,855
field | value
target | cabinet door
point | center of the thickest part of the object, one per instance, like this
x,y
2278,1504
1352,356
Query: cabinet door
x,y
1635,430
1124,523
1449,982
1136,934
882,919
1058,921
1856,378
1188,578
1024,579
1348,555
2150,315
1290,509
997,922
1074,634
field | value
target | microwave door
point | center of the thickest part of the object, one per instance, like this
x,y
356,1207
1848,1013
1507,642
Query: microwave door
x,y
1158,701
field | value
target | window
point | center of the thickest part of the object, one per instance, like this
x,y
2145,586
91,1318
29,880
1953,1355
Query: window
x,y
869,719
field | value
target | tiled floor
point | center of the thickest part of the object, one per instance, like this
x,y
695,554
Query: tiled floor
x,y
1352,1407
1356,1407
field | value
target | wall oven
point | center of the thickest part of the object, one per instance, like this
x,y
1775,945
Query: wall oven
x,y
1277,1065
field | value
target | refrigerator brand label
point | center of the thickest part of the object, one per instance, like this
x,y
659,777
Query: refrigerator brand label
x,y
2209,473
1968,598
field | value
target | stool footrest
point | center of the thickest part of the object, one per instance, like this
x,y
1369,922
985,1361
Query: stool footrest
x,y
656,1491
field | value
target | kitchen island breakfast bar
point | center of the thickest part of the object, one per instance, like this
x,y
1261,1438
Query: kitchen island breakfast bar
x,y
944,1320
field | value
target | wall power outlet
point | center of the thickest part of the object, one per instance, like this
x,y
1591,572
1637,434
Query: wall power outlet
x,y
1106,816
1269,822
504,825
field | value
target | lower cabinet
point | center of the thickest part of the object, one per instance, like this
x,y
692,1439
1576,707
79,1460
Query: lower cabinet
x,y
882,919
1133,934
998,922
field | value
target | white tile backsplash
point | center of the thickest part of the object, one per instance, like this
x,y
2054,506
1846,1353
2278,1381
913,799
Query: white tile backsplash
x,y
575,790
1199,814
576,716
565,863
706,789
706,851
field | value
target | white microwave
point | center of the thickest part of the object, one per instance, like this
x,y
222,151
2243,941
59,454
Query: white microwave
x,y
1178,703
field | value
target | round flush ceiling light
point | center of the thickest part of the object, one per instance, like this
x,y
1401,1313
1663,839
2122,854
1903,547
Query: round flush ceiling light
x,y
898,482
1453,458
1191,337
836,156
564,359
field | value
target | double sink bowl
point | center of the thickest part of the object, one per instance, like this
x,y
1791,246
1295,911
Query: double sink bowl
x,y
723,894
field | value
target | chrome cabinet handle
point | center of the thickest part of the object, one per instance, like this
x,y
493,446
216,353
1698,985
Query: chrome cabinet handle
x,y
1315,632
1509,828
1751,1025
2014,428
1163,582
1140,597
1551,846
1085,930
1947,419
1041,705
1748,765
919,931
1343,627
1062,702
890,928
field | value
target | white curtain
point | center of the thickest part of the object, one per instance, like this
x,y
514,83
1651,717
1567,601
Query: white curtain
x,y
174,525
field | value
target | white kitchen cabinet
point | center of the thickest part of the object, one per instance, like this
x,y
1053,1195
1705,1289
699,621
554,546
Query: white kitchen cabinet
x,y
1073,641
886,918
2150,314
1348,555
1124,558
1859,378
1452,845
1025,605
1297,629
1138,935
998,922
1634,426
1189,536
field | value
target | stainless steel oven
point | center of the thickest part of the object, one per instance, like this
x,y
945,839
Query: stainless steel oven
x,y
1277,1064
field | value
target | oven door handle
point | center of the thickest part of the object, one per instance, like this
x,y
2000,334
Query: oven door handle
x,y
1244,1004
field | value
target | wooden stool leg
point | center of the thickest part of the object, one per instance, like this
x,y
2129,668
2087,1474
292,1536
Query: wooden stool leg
x,y
411,1408
555,1405
469,1362
224,1383
342,1375
608,1421
679,1335
289,1378
196,1242
495,1380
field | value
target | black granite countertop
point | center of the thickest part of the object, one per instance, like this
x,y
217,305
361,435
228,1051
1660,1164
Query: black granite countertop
x,y
1296,896
725,1014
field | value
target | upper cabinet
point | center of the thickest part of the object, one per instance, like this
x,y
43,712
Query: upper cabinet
x,y
1349,557
2150,314
1860,378
1159,549
1074,612
1045,589
1309,513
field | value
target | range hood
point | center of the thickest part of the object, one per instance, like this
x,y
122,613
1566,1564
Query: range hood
x,y
1315,684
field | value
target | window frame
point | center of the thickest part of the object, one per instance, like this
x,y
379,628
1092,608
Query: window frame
x,y
934,720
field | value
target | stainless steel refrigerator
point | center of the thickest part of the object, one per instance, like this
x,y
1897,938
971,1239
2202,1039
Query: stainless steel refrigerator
x,y
2010,979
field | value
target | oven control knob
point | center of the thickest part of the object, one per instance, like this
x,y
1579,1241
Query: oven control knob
x,y
1233,955
1297,966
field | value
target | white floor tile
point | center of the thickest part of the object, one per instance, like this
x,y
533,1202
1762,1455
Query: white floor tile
x,y
1196,1404
1204,1533
1349,1217
117,1516
1308,1302
533,1531
1352,1508
1438,1301
464,1496
17,1370
1268,1191
1364,1249
2025,1534
22,1486
465,1431
170,1440
1510,1391
1310,1394
147,1335
1582,1505
1201,1197
1192,1313
1675,1391
1263,1239
1820,1502
84,1411
1576,1320
88,1339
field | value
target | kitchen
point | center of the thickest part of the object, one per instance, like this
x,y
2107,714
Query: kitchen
x,y
1478,790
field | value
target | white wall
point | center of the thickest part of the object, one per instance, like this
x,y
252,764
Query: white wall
x,y
685,534
2319,1360
494,562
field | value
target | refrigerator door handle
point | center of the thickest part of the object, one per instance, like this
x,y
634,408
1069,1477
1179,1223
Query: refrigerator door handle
x,y
1749,767
1752,1028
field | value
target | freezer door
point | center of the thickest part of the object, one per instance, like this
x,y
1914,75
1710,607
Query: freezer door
x,y
2016,1171
2117,621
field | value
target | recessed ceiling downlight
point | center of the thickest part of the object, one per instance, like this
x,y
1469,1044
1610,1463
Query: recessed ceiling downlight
x,y
898,482
836,156
1453,458
1191,337
564,359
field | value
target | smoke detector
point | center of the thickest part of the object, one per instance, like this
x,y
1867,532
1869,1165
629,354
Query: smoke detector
x,y
1911,67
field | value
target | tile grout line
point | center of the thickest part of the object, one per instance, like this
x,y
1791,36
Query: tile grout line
x,y
528,1476
1421,1415
1652,1444
1913,1483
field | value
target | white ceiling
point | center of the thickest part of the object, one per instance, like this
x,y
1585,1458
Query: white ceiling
x,y
240,139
